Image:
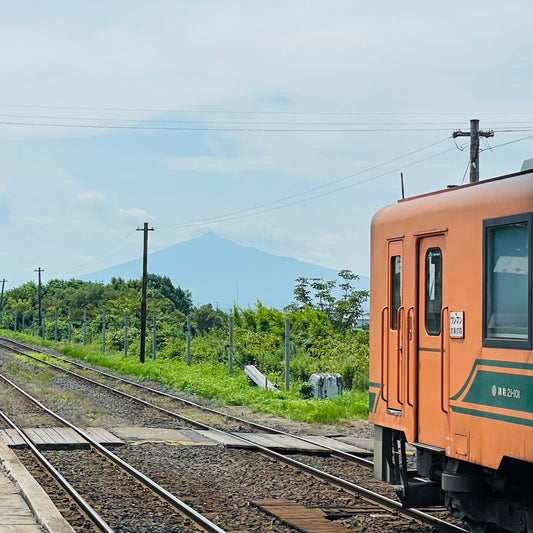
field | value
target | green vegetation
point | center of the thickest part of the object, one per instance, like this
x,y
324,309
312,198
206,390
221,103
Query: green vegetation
x,y
323,338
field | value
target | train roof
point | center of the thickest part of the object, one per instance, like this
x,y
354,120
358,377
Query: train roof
x,y
488,198
468,185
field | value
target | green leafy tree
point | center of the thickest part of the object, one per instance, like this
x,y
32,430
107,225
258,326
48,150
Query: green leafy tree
x,y
205,318
182,299
301,292
343,311
349,308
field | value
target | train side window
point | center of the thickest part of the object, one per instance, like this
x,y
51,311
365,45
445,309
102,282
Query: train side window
x,y
396,289
433,291
507,282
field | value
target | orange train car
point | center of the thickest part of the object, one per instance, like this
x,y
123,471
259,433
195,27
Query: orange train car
x,y
451,350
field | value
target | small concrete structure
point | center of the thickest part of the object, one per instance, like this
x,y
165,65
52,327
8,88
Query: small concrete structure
x,y
258,378
326,385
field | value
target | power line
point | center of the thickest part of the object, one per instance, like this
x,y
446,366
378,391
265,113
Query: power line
x,y
260,112
319,187
237,129
253,210
270,206
110,252
507,143
243,214
241,122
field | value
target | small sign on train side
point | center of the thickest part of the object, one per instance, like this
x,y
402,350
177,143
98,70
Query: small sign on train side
x,y
457,325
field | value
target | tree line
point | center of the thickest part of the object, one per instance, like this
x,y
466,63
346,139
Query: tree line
x,y
324,318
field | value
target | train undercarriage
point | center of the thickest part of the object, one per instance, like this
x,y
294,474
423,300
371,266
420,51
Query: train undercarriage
x,y
485,500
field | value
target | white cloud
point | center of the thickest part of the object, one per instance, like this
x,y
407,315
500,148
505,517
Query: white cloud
x,y
134,214
29,222
118,60
80,258
91,199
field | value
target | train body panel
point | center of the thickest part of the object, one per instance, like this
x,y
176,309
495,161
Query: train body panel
x,y
451,348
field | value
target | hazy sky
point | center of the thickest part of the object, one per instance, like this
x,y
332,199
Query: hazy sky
x,y
279,125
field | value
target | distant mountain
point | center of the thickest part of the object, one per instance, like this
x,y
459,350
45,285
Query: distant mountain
x,y
221,272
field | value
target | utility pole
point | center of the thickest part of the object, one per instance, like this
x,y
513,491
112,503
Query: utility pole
x,y
39,270
474,134
4,281
145,230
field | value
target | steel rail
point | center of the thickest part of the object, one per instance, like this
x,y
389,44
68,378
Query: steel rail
x,y
85,507
145,480
353,488
333,451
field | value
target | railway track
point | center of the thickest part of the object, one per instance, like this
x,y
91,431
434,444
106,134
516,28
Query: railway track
x,y
376,504
120,475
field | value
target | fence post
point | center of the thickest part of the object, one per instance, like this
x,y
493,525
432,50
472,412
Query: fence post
x,y
103,329
23,324
16,320
154,335
126,324
55,327
287,353
69,324
230,369
188,340
84,326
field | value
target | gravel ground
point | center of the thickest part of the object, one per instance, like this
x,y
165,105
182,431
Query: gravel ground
x,y
221,483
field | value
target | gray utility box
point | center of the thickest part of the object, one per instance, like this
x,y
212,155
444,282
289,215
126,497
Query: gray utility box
x,y
326,385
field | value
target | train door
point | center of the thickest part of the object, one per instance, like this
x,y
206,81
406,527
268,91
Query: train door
x,y
393,332
432,354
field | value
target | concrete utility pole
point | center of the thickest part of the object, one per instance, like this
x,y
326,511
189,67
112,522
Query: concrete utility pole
x,y
474,135
145,230
39,270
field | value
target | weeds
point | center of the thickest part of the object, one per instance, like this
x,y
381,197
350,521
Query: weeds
x,y
211,380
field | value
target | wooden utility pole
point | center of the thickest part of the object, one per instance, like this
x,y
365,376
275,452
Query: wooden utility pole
x,y
39,297
474,135
4,281
145,230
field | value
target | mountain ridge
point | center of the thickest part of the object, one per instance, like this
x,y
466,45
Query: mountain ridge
x,y
219,271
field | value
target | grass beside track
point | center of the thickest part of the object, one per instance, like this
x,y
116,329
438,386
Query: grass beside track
x,y
213,381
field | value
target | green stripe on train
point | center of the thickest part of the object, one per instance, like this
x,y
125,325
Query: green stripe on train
x,y
500,389
493,416
372,397
490,363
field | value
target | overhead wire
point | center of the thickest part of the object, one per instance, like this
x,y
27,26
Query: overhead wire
x,y
280,203
319,187
258,209
242,214
227,129
112,251
510,142
238,122
142,123
270,206
261,112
